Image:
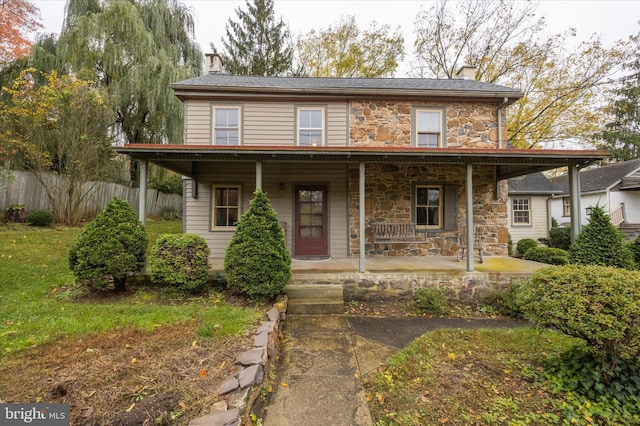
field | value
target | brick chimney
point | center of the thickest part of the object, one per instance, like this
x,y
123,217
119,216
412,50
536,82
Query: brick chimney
x,y
214,63
466,72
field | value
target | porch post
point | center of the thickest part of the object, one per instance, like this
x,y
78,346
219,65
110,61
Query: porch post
x,y
258,175
142,201
469,204
361,213
574,194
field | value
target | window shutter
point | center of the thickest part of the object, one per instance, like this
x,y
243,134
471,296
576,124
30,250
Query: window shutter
x,y
450,207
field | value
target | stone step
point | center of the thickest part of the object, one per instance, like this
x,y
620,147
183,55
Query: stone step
x,y
313,291
315,306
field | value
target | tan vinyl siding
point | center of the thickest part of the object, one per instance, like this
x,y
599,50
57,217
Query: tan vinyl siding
x,y
197,122
538,228
198,219
265,123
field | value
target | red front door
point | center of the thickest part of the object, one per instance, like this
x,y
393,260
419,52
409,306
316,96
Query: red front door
x,y
311,221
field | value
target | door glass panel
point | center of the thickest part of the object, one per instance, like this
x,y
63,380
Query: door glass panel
x,y
316,232
305,220
305,231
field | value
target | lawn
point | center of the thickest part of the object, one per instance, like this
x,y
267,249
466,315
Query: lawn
x,y
103,353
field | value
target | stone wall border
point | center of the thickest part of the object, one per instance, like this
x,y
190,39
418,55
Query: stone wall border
x,y
241,391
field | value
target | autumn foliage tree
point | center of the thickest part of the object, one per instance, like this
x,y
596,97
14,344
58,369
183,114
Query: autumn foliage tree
x,y
60,132
345,50
18,18
508,45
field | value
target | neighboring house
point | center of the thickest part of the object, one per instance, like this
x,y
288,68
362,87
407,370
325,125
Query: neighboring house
x,y
529,206
339,156
615,188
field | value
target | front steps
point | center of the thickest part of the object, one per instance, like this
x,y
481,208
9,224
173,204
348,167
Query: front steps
x,y
630,231
314,299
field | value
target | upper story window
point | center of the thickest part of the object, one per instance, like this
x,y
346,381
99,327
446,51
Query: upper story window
x,y
521,211
225,206
427,128
429,206
310,126
226,125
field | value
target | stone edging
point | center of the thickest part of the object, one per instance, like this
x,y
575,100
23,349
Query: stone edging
x,y
240,391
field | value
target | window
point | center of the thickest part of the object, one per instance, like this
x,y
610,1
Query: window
x,y
226,125
226,206
310,126
429,207
427,128
521,211
566,206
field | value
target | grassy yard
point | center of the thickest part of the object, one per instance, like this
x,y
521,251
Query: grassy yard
x,y
468,377
42,314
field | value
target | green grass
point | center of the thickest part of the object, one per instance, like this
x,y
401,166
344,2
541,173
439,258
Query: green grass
x,y
34,274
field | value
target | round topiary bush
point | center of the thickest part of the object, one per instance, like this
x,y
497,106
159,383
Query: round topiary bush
x,y
550,255
181,260
109,248
257,262
40,218
525,244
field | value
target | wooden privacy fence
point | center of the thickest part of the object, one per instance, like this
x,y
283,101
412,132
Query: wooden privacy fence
x,y
24,189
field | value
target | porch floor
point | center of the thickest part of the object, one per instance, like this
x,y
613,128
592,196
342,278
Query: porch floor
x,y
404,265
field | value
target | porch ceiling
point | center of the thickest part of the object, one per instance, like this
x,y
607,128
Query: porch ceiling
x,y
184,159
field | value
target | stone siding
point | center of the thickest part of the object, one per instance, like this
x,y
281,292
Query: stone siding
x,y
380,123
388,192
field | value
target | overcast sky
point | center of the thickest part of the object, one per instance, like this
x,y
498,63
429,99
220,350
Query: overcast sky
x,y
612,19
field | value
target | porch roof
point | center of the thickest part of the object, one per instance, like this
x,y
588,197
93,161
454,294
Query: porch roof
x,y
509,162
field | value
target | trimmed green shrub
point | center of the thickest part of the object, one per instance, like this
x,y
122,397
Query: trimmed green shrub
x,y
601,243
508,299
109,248
525,244
431,301
40,218
257,262
598,304
559,237
510,246
634,246
181,260
550,255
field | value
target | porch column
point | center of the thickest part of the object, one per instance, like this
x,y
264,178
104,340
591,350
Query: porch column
x,y
469,204
142,200
361,218
258,175
574,194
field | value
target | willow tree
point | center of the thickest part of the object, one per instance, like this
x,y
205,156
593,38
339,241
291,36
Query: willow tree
x,y
345,50
257,44
135,49
508,45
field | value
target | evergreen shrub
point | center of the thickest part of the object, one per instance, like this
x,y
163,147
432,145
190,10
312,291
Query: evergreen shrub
x,y
181,260
109,248
257,262
550,255
598,304
431,301
40,218
525,244
601,243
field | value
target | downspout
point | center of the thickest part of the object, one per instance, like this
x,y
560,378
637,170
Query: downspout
x,y
502,105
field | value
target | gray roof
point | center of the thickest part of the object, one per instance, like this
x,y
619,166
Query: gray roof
x,y
346,86
601,178
535,183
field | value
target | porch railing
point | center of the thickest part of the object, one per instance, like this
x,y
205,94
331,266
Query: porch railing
x,y
617,216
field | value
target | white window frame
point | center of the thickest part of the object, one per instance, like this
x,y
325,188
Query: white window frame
x,y
520,205
300,129
415,128
216,127
566,207
214,226
440,206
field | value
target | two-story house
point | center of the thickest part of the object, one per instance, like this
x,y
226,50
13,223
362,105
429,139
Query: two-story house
x,y
339,156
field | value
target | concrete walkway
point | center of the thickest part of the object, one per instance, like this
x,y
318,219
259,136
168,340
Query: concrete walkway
x,y
324,358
